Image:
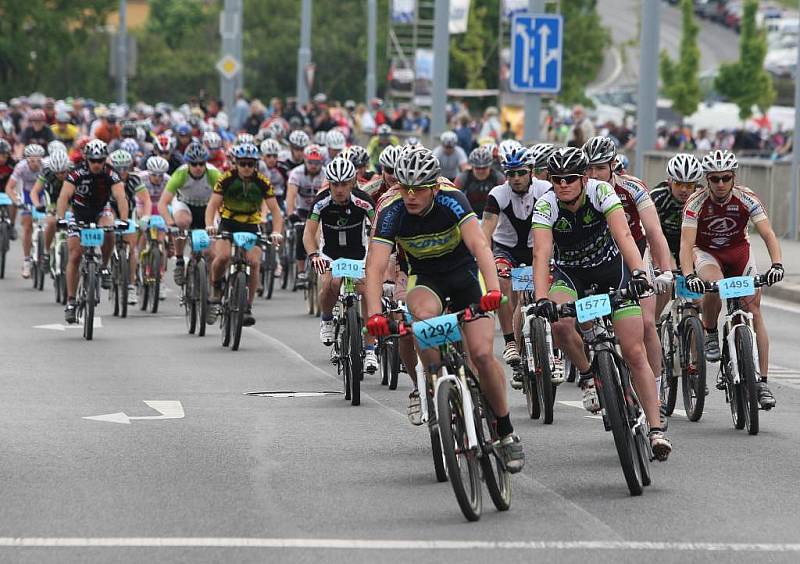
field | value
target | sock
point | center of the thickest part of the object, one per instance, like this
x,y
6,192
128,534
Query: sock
x,y
326,316
509,337
656,429
504,426
586,375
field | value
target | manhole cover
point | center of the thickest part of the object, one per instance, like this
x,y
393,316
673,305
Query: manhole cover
x,y
292,394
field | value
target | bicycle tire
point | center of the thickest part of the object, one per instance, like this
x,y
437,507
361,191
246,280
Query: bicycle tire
x,y
63,268
439,466
225,315
544,385
39,283
529,385
4,241
354,347
125,276
394,363
496,477
238,306
733,390
155,273
383,357
271,261
693,365
144,287
669,380
89,294
114,293
747,378
643,455
201,294
453,435
190,298
341,339
616,412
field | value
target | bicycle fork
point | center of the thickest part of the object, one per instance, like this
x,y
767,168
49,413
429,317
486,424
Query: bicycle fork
x,y
466,401
733,359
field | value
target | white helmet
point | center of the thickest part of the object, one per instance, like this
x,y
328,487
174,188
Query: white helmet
x,y
720,161
243,138
320,138
270,147
336,140
416,166
95,149
56,146
212,140
33,150
388,157
449,139
121,159
299,139
58,161
684,167
157,165
340,170
539,154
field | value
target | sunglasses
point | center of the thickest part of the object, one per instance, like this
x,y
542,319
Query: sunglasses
x,y
520,172
690,185
720,178
247,164
97,161
388,170
157,175
412,189
271,156
568,178
197,164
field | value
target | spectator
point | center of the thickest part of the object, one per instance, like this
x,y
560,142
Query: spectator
x,y
239,112
365,123
253,121
582,129
491,124
464,133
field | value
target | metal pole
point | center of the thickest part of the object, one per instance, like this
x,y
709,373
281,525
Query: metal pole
x,y
441,64
304,53
372,24
230,29
122,53
237,41
533,102
648,83
795,151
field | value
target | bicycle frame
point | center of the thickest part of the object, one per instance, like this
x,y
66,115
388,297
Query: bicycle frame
x,y
459,380
738,317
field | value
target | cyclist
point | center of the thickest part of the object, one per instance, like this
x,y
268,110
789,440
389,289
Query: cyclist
x,y
382,182
298,141
63,129
269,167
477,181
19,186
240,196
452,158
122,163
336,143
183,134
216,154
303,185
164,147
155,180
383,138
37,132
621,164
342,210
507,226
539,154
49,184
448,258
188,191
582,224
714,240
7,163
359,157
87,189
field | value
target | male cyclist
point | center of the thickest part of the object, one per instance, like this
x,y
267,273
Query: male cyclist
x,y
453,159
582,225
449,258
379,142
539,154
49,185
19,186
479,179
342,210
298,141
270,167
240,197
336,143
304,182
714,241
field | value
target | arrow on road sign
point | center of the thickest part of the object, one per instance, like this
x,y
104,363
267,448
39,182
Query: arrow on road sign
x,y
546,55
98,323
167,409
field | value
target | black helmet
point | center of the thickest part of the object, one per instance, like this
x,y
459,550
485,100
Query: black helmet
x,y
567,160
600,150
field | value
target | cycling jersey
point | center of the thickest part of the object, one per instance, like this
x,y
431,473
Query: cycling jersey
x,y
514,213
581,239
193,191
42,137
669,212
242,198
24,176
92,191
634,196
477,191
154,189
450,164
66,134
276,177
723,226
307,186
5,172
343,226
51,187
432,241
133,185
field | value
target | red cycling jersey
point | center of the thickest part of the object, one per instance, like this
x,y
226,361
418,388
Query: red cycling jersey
x,y
634,196
722,226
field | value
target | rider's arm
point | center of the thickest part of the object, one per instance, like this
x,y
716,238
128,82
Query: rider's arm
x,y
310,236
35,191
10,185
291,198
67,190
764,229
377,259
213,207
618,225
477,244
659,249
277,217
688,237
163,206
542,251
488,225
144,197
118,191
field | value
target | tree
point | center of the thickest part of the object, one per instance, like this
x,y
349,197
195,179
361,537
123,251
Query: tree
x,y
680,79
585,43
468,51
746,82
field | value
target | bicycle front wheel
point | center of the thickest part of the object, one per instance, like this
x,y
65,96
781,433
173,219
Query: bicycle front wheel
x,y
669,380
4,242
124,278
237,307
436,441
462,463
497,478
189,299
39,258
747,378
201,295
693,364
544,378
155,276
270,273
354,352
90,292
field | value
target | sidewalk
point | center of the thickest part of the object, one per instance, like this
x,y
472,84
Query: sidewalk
x,y
789,288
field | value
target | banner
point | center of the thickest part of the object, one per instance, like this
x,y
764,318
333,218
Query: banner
x,y
423,79
511,7
403,11
459,16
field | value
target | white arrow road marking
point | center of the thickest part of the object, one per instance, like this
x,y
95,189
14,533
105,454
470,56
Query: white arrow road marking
x,y
167,409
98,323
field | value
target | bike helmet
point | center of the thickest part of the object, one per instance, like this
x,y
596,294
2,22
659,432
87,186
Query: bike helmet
x,y
507,145
412,141
56,147
298,139
212,140
384,130
58,161
245,151
600,150
340,170
684,167
448,139
313,153
719,161
357,154
183,129
515,158
245,138
388,157
567,160
270,147
37,115
33,150
5,147
157,165
481,157
621,163
163,144
128,129
539,154
120,159
276,130
320,138
130,145
195,153
336,140
416,166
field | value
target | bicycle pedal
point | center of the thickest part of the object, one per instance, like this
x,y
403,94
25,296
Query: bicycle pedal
x,y
557,380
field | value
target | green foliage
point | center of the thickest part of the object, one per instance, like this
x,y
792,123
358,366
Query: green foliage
x,y
681,82
468,50
585,43
745,82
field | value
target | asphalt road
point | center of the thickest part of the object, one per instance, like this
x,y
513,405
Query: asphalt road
x,y
717,43
252,479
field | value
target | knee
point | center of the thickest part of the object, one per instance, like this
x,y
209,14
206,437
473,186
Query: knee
x,y
563,329
482,356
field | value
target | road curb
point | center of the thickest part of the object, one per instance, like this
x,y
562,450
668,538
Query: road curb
x,y
786,292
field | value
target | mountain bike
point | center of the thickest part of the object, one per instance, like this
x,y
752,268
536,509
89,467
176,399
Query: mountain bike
x,y
38,250
269,263
348,346
58,264
88,294
288,255
622,413
194,292
150,263
388,348
5,230
683,352
235,295
120,270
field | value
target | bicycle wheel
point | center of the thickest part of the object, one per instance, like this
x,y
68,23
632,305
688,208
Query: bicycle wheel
x,y
62,278
225,313
343,360
461,461
189,298
497,478
39,258
201,294
529,387
669,380
394,363
310,291
733,391
544,377
643,455
616,411
90,291
237,307
124,278
747,378
144,287
270,274
155,276
114,293
693,364
436,442
354,347
4,241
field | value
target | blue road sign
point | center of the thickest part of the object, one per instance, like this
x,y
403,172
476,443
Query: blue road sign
x,y
536,53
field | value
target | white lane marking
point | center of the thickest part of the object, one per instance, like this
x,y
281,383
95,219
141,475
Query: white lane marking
x,y
365,544
167,408
98,323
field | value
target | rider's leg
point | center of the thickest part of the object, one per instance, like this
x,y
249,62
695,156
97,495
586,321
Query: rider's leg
x,y
49,232
629,330
108,242
254,259
74,250
424,303
753,305
222,257
27,235
130,239
479,335
183,220
652,342
566,337
328,294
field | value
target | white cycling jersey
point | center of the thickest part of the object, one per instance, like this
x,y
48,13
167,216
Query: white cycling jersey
x,y
514,213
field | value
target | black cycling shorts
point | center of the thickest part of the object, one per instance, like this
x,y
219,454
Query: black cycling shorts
x,y
464,287
232,226
515,255
198,216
